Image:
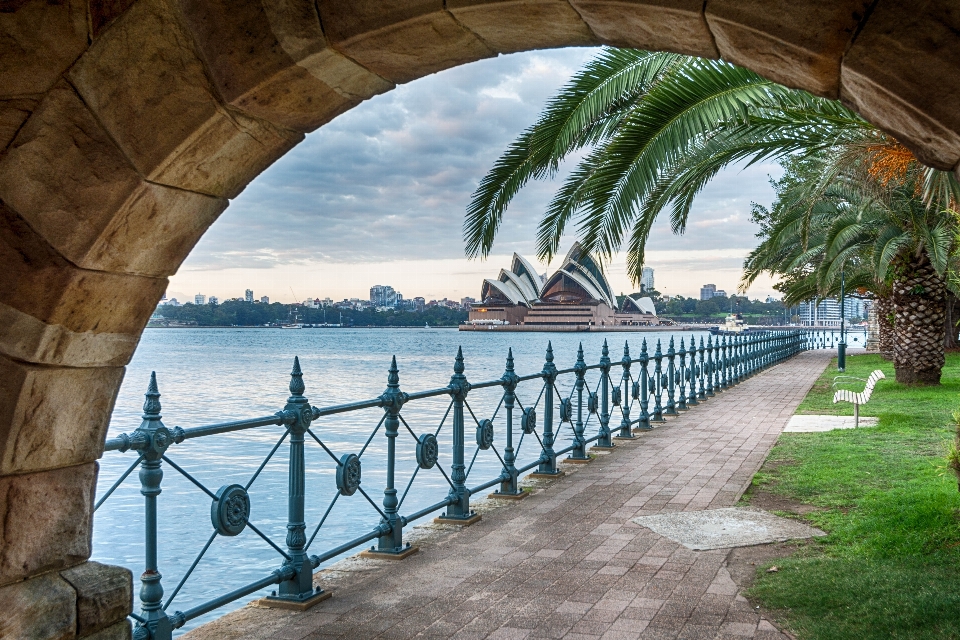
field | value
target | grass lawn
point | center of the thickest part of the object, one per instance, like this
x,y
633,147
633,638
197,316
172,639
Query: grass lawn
x,y
890,566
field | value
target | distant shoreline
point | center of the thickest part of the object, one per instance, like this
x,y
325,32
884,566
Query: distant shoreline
x,y
360,326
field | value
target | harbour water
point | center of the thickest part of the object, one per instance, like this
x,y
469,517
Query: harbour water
x,y
216,375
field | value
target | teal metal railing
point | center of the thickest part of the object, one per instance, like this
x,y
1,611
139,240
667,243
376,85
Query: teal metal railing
x,y
645,390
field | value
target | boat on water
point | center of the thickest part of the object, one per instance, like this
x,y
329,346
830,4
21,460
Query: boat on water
x,y
733,325
295,325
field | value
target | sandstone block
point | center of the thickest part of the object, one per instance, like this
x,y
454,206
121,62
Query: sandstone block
x,y
45,522
103,12
41,608
13,113
23,337
53,417
658,25
104,595
903,73
520,25
401,41
39,39
796,44
41,283
147,84
153,231
272,60
119,631
63,173
65,176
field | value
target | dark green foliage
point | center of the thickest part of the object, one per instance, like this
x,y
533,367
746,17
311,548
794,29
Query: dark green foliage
x,y
233,313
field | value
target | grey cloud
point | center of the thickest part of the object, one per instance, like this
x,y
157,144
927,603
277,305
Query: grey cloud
x,y
391,178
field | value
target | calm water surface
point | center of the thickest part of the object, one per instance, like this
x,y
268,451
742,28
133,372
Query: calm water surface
x,y
216,375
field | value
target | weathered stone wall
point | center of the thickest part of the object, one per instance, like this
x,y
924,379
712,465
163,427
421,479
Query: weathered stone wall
x,y
127,125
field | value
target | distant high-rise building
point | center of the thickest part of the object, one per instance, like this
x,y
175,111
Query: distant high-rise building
x,y
214,300
248,295
646,279
707,291
199,299
382,295
265,299
720,293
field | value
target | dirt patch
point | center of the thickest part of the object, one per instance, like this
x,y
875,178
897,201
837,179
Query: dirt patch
x,y
742,564
773,502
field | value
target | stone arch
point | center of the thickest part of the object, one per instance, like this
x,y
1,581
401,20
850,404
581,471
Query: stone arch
x,y
127,125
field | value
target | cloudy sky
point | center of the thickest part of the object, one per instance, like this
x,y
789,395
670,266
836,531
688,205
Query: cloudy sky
x,y
378,195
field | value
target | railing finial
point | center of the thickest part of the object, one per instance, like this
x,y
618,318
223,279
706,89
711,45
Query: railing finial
x,y
296,379
393,374
151,406
510,359
549,351
458,364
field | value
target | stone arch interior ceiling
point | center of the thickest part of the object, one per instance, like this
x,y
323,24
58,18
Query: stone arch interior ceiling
x,y
127,125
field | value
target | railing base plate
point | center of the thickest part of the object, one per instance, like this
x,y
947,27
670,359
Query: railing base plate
x,y
536,475
629,437
509,496
577,460
462,522
293,605
599,448
389,555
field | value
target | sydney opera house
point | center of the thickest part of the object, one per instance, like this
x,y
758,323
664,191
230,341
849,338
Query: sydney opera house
x,y
577,295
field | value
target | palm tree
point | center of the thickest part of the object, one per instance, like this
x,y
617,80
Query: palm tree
x,y
885,239
657,127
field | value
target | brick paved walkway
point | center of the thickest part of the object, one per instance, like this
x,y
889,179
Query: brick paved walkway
x,y
567,562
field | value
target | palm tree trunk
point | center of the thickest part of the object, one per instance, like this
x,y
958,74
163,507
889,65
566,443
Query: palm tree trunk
x,y
919,298
885,315
951,319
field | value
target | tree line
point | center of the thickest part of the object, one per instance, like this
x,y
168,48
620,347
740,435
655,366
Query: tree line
x,y
239,313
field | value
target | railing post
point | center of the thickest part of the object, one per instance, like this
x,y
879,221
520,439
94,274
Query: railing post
x,y
625,430
156,439
711,367
658,385
671,408
548,459
723,363
701,394
692,373
392,399
604,441
459,507
643,424
681,375
579,451
299,414
509,485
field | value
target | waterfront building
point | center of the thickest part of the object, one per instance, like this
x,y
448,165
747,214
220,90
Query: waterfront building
x,y
199,299
826,313
248,295
264,299
214,300
577,294
646,280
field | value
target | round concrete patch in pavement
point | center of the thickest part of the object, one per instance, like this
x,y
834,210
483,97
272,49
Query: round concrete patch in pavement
x,y
726,528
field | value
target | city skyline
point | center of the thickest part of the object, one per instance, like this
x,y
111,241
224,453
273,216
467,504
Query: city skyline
x,y
379,195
